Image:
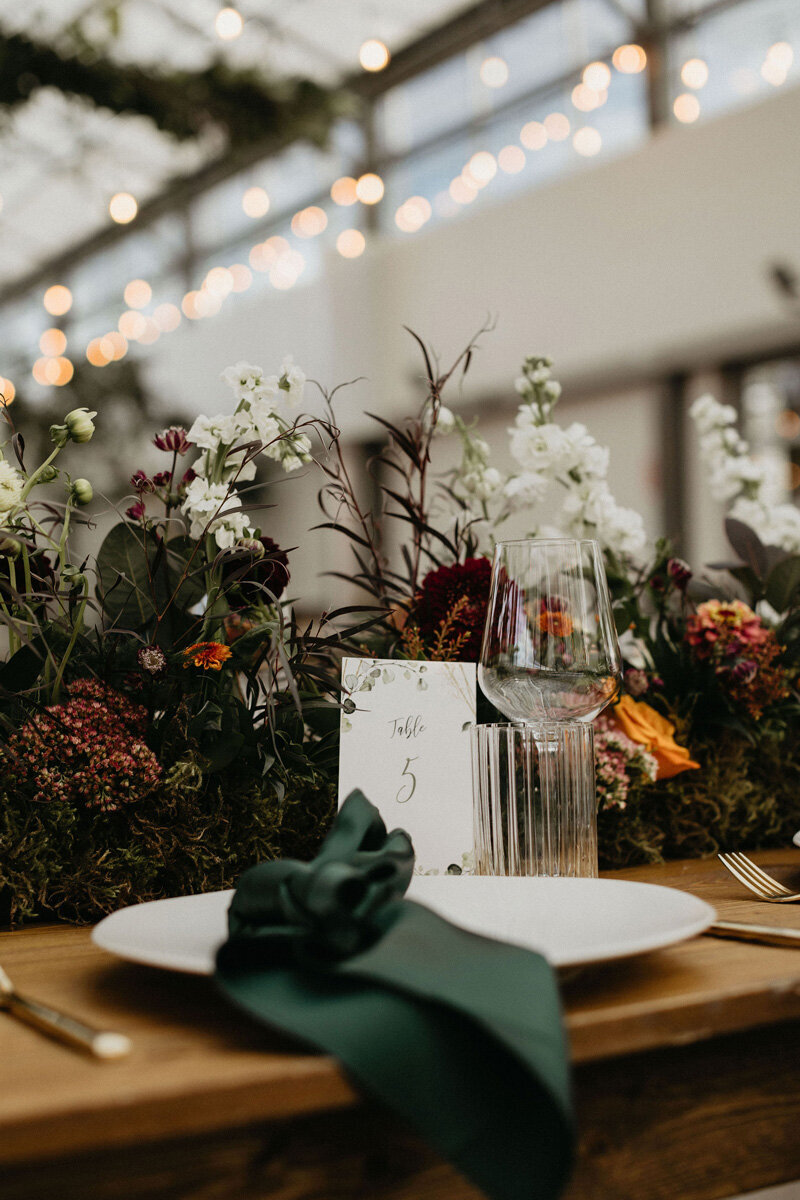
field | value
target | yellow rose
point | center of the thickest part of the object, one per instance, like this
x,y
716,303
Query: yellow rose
x,y
644,725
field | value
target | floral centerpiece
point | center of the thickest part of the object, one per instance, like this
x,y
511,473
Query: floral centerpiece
x,y
166,721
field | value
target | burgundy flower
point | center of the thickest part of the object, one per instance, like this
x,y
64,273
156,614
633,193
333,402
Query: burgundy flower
x,y
141,482
173,439
162,478
135,512
257,574
188,476
680,573
464,584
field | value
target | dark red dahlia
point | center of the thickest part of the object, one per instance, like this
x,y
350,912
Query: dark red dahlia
x,y
459,595
256,574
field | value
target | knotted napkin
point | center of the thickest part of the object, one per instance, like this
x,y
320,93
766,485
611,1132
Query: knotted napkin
x,y
458,1034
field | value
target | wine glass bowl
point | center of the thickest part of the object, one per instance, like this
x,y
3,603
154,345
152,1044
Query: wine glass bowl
x,y
550,650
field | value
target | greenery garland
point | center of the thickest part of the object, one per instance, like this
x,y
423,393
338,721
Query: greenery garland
x,y
184,105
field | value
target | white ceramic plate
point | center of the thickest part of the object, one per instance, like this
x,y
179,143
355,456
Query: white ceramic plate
x,y
572,921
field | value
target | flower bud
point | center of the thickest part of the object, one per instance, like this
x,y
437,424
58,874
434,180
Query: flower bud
x,y
73,577
10,547
252,546
47,474
81,491
79,424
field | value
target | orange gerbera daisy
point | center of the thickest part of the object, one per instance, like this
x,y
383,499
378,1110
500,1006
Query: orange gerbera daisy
x,y
208,655
557,624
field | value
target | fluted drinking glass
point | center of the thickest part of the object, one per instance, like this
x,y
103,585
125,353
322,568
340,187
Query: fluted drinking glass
x,y
550,661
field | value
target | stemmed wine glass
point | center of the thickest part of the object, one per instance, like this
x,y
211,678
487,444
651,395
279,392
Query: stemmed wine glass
x,y
550,662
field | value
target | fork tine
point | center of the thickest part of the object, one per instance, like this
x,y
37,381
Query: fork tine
x,y
748,869
777,888
725,859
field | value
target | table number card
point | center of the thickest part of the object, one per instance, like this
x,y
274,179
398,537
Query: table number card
x,y
405,744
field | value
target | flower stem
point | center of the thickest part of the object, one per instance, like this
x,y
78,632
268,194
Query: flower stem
x,y
76,628
34,478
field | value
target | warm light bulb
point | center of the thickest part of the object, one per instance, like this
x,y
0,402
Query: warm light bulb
x,y
131,324
242,278
7,391
587,141
57,300
351,243
255,202
113,345
482,167
122,208
781,54
344,191
369,189
219,282
65,371
494,72
373,55
511,160
533,135
462,191
167,317
630,59
597,76
52,343
686,108
773,73
138,293
151,332
694,73
556,127
309,222
95,354
188,305
228,24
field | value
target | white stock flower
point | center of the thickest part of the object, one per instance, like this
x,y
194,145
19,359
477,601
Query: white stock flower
x,y
540,375
482,483
265,426
731,475
231,527
540,448
777,525
11,485
526,488
243,379
552,389
294,380
243,472
590,458
708,413
522,385
224,429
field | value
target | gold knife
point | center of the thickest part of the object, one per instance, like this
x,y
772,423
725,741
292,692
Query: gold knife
x,y
772,935
102,1043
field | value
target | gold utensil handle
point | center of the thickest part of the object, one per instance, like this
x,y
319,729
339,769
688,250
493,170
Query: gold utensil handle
x,y
773,935
99,1042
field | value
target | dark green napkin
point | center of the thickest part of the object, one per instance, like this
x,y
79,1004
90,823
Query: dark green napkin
x,y
459,1034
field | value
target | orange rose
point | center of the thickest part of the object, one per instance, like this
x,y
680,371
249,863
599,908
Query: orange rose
x,y
644,725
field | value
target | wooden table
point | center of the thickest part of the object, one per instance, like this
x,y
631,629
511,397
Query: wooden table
x,y
687,1075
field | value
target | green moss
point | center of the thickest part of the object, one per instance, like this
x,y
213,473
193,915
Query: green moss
x,y
194,834
745,796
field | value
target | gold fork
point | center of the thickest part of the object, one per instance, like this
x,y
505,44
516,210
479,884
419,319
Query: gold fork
x,y
101,1043
758,881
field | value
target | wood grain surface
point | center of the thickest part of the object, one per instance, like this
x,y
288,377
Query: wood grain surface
x,y
208,1092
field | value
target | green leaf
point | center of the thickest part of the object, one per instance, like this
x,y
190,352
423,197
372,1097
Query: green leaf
x,y
124,565
782,585
23,668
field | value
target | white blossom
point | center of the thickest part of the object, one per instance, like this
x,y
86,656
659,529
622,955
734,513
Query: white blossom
x,y
11,485
243,379
445,421
776,525
708,413
522,385
293,380
540,448
231,527
482,482
526,488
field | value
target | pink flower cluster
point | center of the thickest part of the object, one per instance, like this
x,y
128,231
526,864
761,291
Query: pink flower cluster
x,y
742,651
89,751
619,762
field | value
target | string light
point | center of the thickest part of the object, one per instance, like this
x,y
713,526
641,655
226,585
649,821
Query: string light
x,y
309,222
138,293
228,24
219,282
7,391
113,345
65,371
131,324
151,332
596,76
781,54
686,108
95,354
773,72
52,343
511,160
255,202
57,300
122,208
694,73
629,59
344,191
462,191
557,127
188,306
242,278
168,316
412,215
351,243
373,55
370,189
587,141
494,72
533,135
482,167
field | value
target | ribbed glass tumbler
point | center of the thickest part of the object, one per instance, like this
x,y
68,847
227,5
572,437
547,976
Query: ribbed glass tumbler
x,y
534,799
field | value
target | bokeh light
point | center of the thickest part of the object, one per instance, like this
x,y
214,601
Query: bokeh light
x,y
511,159
533,135
370,189
344,191
57,300
114,345
7,391
255,202
241,276
131,324
95,355
694,73
557,127
53,342
138,293
122,208
309,222
351,243
629,59
597,76
686,108
587,141
494,72
228,24
373,55
168,316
